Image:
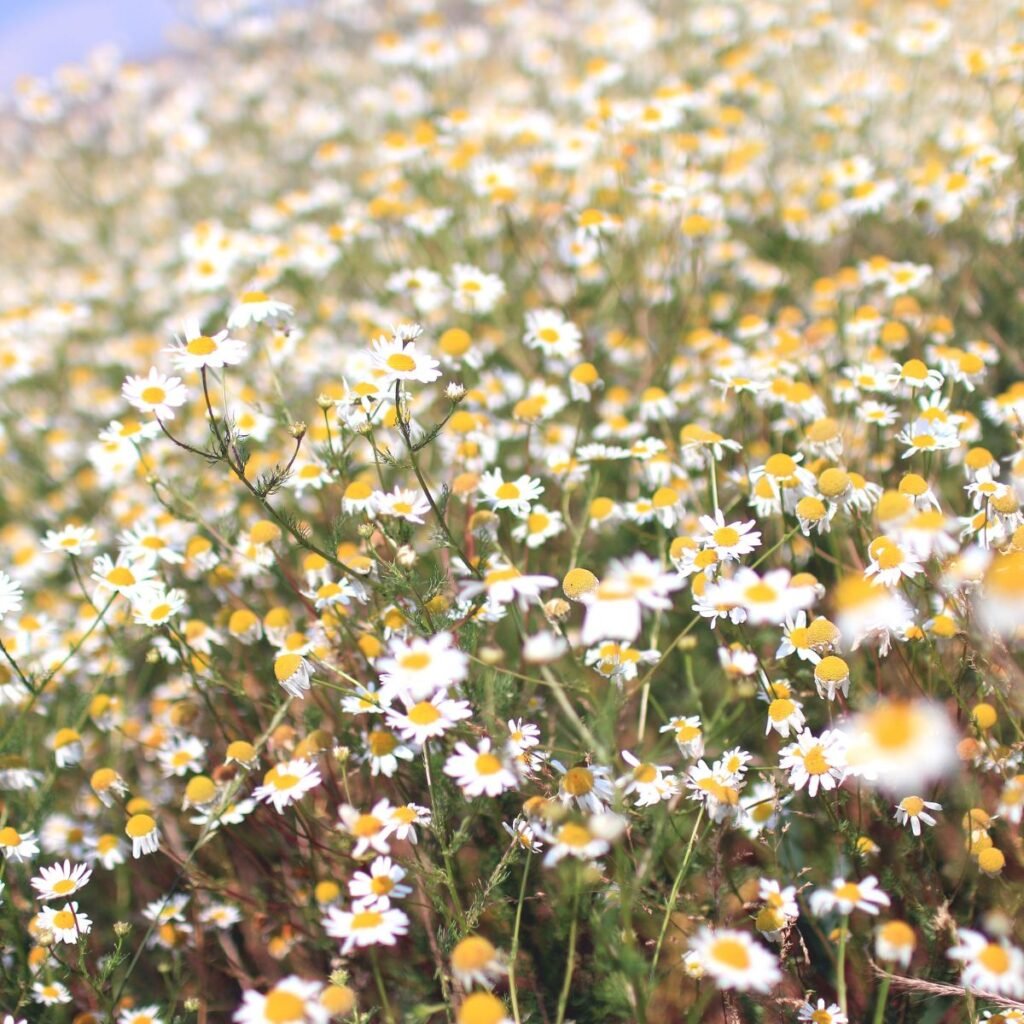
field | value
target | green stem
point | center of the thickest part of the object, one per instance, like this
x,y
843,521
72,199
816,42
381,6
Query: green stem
x,y
570,960
403,427
514,948
438,826
841,965
674,895
883,998
389,1014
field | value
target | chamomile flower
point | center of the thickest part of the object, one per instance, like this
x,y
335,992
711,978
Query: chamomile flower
x,y
732,541
912,810
402,503
419,668
428,719
549,331
475,961
155,393
573,839
589,787
734,960
60,880
70,540
996,967
474,290
383,752
130,578
515,495
398,360
480,771
764,599
51,993
647,783
67,925
370,829
383,882
688,733
831,675
157,607
142,830
254,307
821,1013
292,1000
362,926
538,527
901,746
293,672
482,1008
895,941
846,897
194,350
817,762
287,782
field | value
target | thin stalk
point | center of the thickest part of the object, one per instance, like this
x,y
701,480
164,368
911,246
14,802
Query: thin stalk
x,y
570,960
389,1014
841,965
674,895
883,998
514,948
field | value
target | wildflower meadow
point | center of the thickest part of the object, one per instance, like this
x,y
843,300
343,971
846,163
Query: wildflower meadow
x,y
511,512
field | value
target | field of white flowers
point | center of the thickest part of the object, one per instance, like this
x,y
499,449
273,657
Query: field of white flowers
x,y
511,512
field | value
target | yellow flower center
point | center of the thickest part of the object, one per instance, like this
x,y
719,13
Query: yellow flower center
x,y
121,577
153,395
725,536
283,1007
578,781
64,886
994,958
487,764
401,362
482,1008
815,761
760,593
286,666
832,669
780,465
416,661
201,346
913,805
366,919
537,522
366,825
573,835
381,743
423,713
730,952
64,920
139,825
893,726
472,954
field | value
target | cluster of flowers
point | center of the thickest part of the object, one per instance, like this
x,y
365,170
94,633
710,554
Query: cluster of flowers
x,y
514,514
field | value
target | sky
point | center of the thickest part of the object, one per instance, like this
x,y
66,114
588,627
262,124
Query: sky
x,y
37,36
